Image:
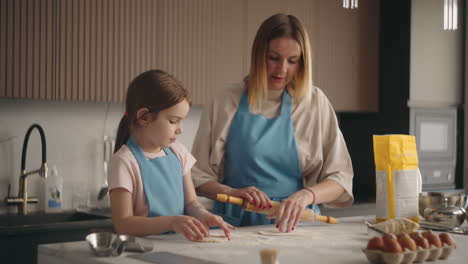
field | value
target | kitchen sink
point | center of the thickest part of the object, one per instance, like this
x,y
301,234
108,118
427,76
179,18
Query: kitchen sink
x,y
21,234
38,219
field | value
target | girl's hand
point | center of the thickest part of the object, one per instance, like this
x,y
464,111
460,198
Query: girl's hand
x,y
190,227
253,195
290,210
209,220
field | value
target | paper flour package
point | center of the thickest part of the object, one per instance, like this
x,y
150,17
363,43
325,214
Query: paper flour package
x,y
398,180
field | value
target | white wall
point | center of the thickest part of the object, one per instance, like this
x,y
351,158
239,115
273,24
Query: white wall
x,y
74,133
436,76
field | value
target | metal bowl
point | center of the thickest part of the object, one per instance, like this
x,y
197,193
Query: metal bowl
x,y
441,200
105,244
450,217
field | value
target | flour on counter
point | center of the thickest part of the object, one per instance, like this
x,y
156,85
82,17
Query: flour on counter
x,y
276,232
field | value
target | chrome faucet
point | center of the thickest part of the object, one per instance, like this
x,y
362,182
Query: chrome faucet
x,y
22,200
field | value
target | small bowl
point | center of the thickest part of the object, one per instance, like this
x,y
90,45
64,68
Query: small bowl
x,y
450,217
105,244
441,200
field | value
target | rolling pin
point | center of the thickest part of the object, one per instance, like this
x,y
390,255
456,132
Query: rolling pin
x,y
307,216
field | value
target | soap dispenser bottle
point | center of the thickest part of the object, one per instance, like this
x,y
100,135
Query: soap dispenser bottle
x,y
53,191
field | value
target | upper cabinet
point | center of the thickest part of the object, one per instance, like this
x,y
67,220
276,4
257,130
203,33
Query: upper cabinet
x,y
437,71
90,50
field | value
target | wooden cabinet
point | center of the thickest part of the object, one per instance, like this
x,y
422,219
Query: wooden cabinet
x,y
90,50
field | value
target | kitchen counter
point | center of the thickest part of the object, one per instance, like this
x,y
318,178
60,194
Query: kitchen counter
x,y
309,243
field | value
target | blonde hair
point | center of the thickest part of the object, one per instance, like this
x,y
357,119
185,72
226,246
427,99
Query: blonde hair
x,y
277,26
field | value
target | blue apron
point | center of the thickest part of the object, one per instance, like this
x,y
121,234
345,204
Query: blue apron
x,y
261,152
162,181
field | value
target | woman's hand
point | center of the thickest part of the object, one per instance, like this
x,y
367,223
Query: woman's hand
x,y
190,227
209,220
253,195
290,210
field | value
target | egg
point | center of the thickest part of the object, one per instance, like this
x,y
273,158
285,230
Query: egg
x,y
419,240
406,241
376,243
447,239
432,238
391,244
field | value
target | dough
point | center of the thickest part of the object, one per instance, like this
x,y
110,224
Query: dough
x,y
397,226
214,239
276,232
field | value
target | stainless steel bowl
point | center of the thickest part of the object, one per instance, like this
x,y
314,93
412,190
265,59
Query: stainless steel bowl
x,y
105,244
447,209
450,217
441,200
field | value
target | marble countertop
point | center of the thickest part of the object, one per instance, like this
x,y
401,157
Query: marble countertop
x,y
310,242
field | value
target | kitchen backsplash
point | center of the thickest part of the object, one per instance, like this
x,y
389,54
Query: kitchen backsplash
x,y
74,133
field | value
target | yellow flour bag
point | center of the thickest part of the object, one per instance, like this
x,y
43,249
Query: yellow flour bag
x,y
398,180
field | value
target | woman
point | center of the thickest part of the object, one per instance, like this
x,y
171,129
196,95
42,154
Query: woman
x,y
274,136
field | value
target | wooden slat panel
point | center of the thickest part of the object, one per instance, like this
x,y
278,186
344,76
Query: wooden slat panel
x,y
73,61
91,50
23,49
111,76
137,54
3,47
344,48
70,46
10,44
92,9
35,65
343,73
51,47
16,49
120,52
105,51
28,58
194,35
81,52
59,89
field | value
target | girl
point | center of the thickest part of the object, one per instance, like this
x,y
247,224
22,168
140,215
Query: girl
x,y
149,174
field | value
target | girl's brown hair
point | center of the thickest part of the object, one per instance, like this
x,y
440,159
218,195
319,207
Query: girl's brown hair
x,y
155,90
277,26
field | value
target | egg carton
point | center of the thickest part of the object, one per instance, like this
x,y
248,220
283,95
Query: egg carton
x,y
417,256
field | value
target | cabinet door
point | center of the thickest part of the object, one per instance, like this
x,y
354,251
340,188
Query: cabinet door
x,y
344,46
27,49
90,50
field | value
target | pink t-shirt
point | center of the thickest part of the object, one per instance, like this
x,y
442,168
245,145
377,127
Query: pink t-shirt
x,y
124,172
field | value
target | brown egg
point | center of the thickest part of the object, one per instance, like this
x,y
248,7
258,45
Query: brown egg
x,y
432,238
420,240
391,244
376,243
447,239
406,241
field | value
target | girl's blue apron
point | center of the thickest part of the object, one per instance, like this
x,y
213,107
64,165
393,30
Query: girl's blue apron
x,y
162,181
261,152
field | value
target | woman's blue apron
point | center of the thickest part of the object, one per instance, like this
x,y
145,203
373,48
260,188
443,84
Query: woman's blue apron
x,y
261,152
162,181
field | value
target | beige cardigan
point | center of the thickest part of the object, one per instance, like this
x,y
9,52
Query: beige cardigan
x,y
322,150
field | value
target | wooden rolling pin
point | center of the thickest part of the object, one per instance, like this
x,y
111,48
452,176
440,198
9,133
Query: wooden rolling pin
x,y
307,216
